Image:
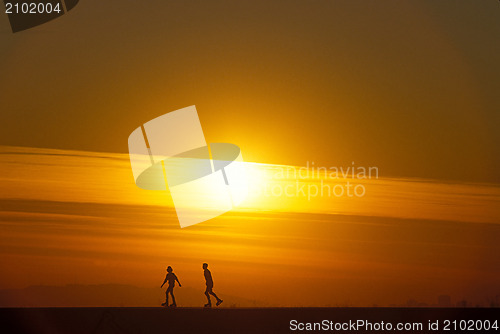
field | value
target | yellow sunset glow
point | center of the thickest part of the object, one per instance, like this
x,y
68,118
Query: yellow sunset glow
x,y
89,223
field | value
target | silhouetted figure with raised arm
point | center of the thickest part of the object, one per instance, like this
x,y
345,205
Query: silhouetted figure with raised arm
x,y
170,278
210,284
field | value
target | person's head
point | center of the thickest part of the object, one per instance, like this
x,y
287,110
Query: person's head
x,y
169,269
205,265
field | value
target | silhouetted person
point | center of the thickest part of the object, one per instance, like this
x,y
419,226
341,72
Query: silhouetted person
x,y
210,284
170,278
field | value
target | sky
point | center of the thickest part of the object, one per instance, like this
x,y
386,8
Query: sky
x,y
64,223
409,88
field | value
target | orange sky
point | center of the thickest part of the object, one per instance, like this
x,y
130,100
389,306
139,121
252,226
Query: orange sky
x,y
409,87
73,217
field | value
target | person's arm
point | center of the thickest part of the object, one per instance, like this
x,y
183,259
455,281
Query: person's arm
x,y
210,279
164,281
178,281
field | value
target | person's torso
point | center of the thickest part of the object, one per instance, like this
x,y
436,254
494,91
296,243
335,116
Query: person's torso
x,y
208,277
171,279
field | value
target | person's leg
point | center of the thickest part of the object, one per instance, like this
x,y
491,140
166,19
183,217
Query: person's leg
x,y
213,294
169,291
207,293
173,298
219,301
166,299
165,303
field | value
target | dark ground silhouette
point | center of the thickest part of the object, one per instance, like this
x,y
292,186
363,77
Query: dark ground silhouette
x,y
217,320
